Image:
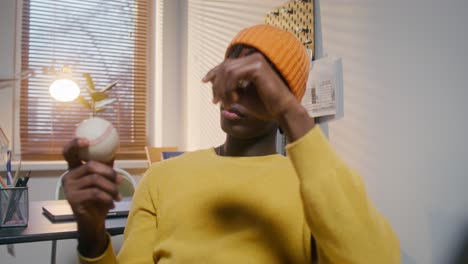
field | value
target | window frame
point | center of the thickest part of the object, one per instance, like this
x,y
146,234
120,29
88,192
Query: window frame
x,y
149,122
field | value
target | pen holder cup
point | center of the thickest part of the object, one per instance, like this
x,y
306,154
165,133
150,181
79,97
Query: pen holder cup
x,y
14,207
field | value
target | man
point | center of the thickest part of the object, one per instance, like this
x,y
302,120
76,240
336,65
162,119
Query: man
x,y
240,202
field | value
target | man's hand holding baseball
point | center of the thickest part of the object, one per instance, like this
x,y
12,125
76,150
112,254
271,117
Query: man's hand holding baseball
x,y
91,189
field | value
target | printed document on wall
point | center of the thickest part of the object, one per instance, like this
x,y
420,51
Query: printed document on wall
x,y
324,91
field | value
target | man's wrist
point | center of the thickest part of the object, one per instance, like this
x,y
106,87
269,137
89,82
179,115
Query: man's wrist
x,y
92,243
295,121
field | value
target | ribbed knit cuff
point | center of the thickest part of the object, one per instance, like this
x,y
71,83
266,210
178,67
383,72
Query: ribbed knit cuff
x,y
106,257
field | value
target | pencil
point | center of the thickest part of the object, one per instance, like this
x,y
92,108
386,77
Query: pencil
x,y
2,182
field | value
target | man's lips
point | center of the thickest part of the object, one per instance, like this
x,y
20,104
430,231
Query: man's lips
x,y
230,115
233,113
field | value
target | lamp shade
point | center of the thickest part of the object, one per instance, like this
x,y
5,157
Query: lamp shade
x,y
64,90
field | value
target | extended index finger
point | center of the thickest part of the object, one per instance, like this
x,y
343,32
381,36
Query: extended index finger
x,y
209,77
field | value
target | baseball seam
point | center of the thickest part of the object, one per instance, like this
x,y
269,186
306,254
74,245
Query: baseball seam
x,y
104,135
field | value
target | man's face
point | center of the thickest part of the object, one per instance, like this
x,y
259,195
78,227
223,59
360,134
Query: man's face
x,y
237,121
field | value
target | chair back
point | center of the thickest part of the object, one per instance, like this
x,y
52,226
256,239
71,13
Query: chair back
x,y
154,154
126,188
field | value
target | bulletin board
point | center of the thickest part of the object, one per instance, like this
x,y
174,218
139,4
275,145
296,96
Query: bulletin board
x,y
296,17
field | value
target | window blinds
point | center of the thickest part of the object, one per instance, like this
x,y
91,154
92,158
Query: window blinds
x,y
108,40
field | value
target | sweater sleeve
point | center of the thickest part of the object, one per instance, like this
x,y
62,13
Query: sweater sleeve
x,y
346,226
107,257
140,230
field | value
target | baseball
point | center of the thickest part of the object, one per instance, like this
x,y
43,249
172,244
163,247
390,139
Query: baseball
x,y
103,139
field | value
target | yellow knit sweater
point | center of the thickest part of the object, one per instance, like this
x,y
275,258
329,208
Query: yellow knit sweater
x,y
203,208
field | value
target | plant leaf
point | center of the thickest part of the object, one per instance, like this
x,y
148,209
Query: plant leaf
x,y
83,101
98,96
89,80
103,103
110,86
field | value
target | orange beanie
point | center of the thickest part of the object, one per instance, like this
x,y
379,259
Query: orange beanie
x,y
283,49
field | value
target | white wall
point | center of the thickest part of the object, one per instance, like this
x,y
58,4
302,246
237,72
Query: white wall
x,y
169,73
7,63
405,128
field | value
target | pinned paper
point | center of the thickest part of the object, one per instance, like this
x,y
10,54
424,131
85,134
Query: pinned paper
x,y
324,91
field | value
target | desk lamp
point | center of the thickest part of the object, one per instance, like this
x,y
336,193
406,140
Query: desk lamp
x,y
63,89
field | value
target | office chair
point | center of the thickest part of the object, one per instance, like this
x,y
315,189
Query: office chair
x,y
154,154
127,188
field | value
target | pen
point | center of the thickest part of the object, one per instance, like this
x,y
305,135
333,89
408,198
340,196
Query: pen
x,y
23,182
19,182
26,179
15,179
8,168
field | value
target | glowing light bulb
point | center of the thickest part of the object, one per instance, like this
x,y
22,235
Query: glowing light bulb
x,y
64,90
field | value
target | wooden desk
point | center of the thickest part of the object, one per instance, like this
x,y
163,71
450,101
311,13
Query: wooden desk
x,y
40,228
